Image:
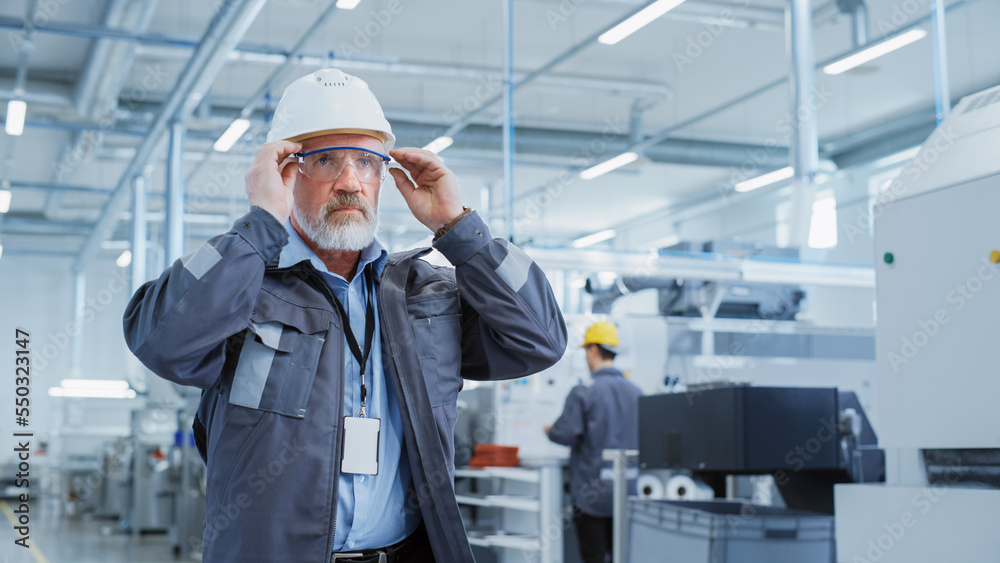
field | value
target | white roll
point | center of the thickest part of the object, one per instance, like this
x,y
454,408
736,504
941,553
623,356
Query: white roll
x,y
650,487
682,487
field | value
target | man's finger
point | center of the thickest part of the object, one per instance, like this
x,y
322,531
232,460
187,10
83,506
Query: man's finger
x,y
403,184
278,150
289,171
415,160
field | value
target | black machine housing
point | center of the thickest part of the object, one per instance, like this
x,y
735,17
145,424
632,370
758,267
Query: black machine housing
x,y
799,435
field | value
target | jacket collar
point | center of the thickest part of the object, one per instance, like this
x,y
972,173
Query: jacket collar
x,y
608,371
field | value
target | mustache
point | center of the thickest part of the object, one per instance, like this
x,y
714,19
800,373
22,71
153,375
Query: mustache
x,y
347,199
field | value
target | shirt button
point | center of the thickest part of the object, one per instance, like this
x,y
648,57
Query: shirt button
x,y
362,478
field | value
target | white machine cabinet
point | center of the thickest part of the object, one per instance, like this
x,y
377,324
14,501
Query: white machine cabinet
x,y
938,307
937,264
530,519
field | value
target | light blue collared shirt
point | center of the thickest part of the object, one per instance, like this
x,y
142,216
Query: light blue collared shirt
x,y
368,506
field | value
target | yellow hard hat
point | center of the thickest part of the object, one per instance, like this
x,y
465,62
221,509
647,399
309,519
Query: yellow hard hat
x,y
603,334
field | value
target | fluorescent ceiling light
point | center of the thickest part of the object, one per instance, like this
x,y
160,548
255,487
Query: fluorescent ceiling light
x,y
4,201
594,238
124,259
92,393
875,51
638,21
15,117
1,250
608,165
765,180
439,144
236,130
347,4
112,384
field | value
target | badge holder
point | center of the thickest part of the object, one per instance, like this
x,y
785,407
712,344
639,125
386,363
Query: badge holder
x,y
361,434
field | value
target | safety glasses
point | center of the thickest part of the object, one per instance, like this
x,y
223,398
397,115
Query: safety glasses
x,y
327,164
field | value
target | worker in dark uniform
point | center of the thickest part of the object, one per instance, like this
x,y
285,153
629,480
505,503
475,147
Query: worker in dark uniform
x,y
599,416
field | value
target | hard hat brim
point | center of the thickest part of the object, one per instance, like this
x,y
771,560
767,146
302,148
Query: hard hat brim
x,y
313,134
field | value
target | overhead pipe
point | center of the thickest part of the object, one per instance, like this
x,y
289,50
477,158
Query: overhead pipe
x,y
559,59
95,66
366,64
24,48
942,90
175,194
228,26
101,82
282,71
859,23
137,242
508,115
805,136
667,132
79,320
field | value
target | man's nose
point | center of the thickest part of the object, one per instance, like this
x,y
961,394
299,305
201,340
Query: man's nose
x,y
348,180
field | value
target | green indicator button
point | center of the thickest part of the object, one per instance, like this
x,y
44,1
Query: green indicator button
x,y
889,258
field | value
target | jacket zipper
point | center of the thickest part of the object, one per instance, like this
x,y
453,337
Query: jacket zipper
x,y
418,436
314,275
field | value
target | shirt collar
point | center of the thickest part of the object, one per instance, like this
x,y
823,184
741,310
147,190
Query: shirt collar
x,y
298,251
607,371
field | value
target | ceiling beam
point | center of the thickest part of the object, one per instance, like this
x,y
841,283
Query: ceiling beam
x,y
226,29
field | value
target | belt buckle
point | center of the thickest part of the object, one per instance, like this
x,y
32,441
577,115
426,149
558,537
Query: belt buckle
x,y
337,556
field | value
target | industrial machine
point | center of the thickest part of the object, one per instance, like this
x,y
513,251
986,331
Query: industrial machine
x,y
808,439
681,297
938,294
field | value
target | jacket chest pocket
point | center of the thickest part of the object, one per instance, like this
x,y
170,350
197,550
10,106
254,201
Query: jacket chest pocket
x,y
279,358
437,333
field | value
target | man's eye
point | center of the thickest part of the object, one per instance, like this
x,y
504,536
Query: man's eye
x,y
365,161
323,160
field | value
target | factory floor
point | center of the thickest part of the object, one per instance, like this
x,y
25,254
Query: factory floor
x,y
61,538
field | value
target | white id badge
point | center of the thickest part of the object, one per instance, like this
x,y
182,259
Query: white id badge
x,y
360,445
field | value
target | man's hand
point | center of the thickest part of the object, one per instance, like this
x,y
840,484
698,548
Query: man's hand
x,y
270,179
436,199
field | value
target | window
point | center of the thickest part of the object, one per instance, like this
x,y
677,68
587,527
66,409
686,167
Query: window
x,y
823,227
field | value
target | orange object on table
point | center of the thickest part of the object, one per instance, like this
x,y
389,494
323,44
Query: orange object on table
x,y
494,455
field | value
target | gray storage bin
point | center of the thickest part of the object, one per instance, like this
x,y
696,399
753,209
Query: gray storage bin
x,y
726,532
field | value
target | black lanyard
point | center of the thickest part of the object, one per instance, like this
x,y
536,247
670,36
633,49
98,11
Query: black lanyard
x,y
352,342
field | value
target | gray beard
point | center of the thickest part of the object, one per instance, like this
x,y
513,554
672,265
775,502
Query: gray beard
x,y
329,232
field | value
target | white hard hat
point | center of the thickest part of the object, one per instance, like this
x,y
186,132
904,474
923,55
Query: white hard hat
x,y
325,102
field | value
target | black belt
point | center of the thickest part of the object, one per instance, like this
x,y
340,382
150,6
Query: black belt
x,y
392,554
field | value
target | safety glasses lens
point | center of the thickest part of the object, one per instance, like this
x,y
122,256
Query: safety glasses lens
x,y
329,165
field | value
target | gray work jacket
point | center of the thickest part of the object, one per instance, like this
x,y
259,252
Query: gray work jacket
x,y
265,344
603,415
